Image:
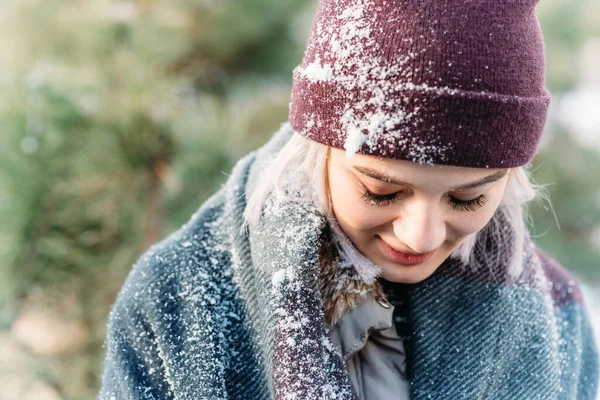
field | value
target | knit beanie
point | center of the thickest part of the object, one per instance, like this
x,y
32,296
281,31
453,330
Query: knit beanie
x,y
451,82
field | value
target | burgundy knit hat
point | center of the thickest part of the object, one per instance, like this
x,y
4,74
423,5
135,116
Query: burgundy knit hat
x,y
452,82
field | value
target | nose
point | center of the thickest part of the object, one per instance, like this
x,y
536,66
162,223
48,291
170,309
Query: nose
x,y
421,226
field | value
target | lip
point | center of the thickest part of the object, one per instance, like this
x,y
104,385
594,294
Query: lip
x,y
405,258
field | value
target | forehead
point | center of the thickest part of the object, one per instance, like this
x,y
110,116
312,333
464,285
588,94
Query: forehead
x,y
425,176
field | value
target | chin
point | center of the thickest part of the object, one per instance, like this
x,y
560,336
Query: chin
x,y
405,274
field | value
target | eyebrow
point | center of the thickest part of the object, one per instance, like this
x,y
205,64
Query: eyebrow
x,y
388,179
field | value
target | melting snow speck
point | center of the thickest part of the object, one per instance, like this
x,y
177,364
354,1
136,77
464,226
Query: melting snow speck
x,y
354,141
315,72
278,278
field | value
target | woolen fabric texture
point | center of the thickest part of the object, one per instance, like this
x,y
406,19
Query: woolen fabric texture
x,y
215,311
450,82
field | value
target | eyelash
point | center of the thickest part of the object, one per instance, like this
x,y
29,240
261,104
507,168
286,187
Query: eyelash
x,y
459,205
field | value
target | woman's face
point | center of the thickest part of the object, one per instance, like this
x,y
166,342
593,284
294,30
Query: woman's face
x,y
392,208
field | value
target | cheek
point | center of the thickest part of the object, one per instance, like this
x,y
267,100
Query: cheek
x,y
465,225
354,213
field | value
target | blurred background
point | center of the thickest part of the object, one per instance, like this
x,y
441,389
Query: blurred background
x,y
119,118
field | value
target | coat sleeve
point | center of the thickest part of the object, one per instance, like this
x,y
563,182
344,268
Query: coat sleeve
x,y
590,369
579,351
133,367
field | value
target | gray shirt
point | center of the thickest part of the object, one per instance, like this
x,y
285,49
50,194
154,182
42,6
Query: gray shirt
x,y
367,340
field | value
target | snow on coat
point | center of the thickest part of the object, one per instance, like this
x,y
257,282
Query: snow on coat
x,y
215,311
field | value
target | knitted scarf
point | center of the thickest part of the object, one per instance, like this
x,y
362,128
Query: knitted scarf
x,y
219,311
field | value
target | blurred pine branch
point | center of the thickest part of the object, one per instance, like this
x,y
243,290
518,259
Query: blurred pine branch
x,y
118,120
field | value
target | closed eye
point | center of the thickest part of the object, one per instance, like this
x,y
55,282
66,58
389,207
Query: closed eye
x,y
382,200
468,205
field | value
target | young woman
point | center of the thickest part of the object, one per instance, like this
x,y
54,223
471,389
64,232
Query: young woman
x,y
376,247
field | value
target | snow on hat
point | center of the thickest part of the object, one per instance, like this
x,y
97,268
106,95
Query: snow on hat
x,y
452,82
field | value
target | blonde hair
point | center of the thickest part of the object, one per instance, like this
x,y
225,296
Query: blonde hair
x,y
305,159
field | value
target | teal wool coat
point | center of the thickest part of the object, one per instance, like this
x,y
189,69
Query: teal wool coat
x,y
215,311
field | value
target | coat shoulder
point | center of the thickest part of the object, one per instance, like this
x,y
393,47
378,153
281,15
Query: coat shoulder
x,y
565,287
182,267
170,313
580,355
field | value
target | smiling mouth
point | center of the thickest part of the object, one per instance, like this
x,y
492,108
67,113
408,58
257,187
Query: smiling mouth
x,y
402,258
